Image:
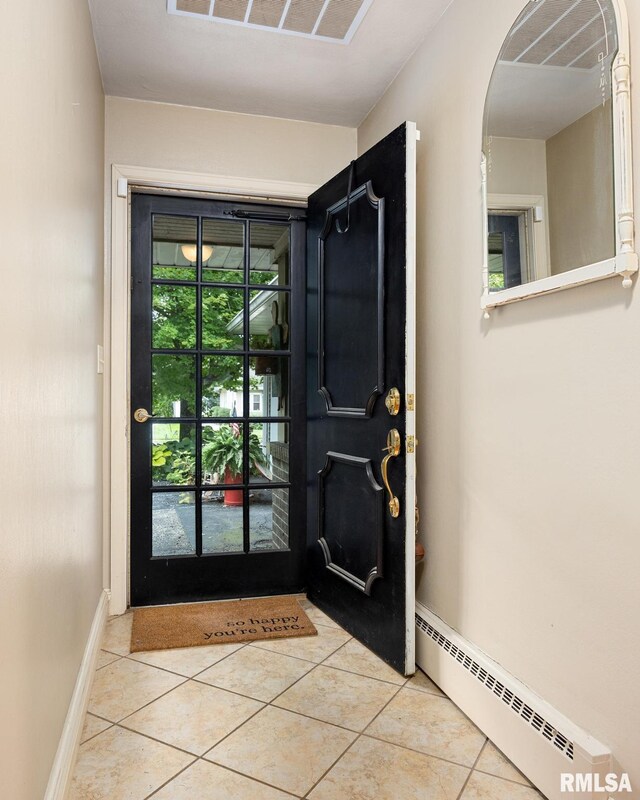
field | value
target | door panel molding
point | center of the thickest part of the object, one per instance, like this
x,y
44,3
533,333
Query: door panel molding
x,y
376,511
361,408
117,326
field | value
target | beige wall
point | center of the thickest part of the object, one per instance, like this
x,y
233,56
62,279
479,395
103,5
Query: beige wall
x,y
147,134
517,166
528,424
51,226
581,215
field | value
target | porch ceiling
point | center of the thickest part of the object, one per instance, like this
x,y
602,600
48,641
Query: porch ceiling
x,y
147,54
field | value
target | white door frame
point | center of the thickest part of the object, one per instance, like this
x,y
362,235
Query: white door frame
x,y
117,340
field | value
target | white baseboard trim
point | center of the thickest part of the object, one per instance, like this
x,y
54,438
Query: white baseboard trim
x,y
64,761
536,737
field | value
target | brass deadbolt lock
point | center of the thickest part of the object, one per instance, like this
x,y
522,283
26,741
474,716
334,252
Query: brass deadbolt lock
x,y
392,401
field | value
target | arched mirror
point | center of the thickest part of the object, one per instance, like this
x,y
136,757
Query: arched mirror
x,y
557,152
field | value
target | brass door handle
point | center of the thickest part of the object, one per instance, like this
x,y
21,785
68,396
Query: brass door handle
x,y
394,444
142,415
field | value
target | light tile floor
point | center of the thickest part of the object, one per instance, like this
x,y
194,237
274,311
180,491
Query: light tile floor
x,y
316,717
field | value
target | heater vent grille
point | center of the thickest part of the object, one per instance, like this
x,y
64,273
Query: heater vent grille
x,y
490,682
324,20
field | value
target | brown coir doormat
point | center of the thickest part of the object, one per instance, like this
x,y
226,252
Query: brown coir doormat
x,y
164,627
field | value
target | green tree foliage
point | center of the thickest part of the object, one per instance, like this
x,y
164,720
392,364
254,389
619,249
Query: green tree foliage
x,y
174,327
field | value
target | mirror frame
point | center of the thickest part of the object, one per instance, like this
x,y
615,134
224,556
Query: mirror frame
x,y
625,262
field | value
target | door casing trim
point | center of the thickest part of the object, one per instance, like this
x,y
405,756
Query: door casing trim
x,y
413,137
116,393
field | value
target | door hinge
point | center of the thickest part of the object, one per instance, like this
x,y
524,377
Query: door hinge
x,y
411,444
411,402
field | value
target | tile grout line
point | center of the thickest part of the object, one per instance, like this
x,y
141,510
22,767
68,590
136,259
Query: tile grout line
x,y
111,725
528,785
157,741
468,778
172,671
248,777
256,643
357,739
164,694
104,719
172,778
359,674
197,758
315,666
418,752
271,701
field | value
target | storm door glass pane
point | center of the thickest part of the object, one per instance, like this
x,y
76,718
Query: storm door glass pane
x,y
173,453
174,247
222,251
269,320
173,385
222,318
222,521
269,254
174,317
269,380
173,517
496,262
222,386
222,453
269,452
269,519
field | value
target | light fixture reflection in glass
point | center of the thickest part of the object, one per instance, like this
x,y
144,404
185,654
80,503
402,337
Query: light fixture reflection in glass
x,y
190,252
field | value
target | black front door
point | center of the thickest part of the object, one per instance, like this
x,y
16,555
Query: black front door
x,y
360,396
505,258
217,400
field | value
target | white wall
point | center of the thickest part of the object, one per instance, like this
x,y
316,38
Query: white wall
x,y
528,424
51,230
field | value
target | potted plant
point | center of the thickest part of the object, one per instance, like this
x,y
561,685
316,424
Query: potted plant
x,y
223,456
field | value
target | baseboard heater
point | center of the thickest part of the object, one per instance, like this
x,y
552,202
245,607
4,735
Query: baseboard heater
x,y
539,740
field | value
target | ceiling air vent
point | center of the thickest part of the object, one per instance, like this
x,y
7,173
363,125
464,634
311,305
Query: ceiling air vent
x,y
326,20
563,33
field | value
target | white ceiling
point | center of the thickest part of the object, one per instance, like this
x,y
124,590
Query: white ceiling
x,y
148,54
536,102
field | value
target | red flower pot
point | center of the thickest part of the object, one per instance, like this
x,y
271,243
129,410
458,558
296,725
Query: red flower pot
x,y
232,497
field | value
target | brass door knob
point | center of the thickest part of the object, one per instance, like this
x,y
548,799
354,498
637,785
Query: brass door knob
x,y
142,415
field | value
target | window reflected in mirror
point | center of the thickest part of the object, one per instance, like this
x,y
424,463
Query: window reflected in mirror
x,y
548,143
